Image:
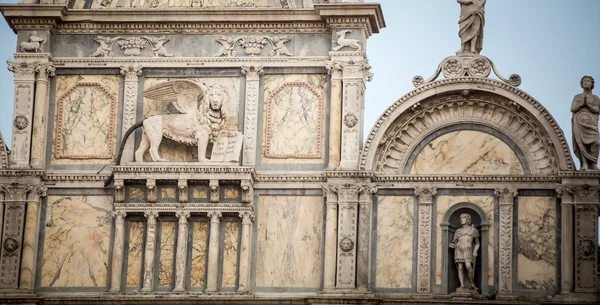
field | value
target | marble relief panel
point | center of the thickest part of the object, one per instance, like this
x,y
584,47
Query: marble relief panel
x,y
467,152
85,119
199,252
394,261
294,118
230,89
536,243
289,242
230,250
77,241
167,250
134,257
486,203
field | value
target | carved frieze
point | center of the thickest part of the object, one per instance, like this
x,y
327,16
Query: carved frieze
x,y
343,42
253,45
131,45
35,43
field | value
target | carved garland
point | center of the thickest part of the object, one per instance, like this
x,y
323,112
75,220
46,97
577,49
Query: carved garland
x,y
486,84
111,123
427,116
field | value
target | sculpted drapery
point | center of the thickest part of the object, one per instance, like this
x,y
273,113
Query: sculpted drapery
x,y
585,108
471,22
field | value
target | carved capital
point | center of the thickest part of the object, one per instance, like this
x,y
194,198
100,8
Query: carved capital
x,y
247,217
357,70
506,195
119,217
182,186
565,193
214,191
151,186
252,72
586,194
348,192
214,216
183,216
45,71
151,216
131,72
247,191
119,191
334,69
22,69
425,194
35,192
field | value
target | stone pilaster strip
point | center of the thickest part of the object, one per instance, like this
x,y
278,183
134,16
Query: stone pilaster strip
x,y
506,197
347,228
335,114
118,247
148,282
364,237
213,252
30,237
23,112
244,278
181,260
425,195
253,74
131,74
40,115
586,238
565,193
330,193
12,236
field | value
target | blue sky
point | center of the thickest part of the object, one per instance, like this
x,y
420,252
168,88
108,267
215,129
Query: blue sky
x,y
550,43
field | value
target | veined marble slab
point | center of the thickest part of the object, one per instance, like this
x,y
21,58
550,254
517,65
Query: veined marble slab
x,y
536,243
467,152
134,257
395,220
85,119
486,203
167,250
294,118
177,152
199,252
290,241
230,251
76,241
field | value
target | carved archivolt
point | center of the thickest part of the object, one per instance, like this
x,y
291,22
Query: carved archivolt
x,y
483,102
3,153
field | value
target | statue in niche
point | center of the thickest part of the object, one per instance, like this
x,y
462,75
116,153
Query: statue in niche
x,y
471,22
585,108
466,245
200,118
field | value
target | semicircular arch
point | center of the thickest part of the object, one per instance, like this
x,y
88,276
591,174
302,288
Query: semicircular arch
x,y
466,100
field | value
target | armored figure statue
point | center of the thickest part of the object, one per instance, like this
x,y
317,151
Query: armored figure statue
x,y
585,108
466,245
471,22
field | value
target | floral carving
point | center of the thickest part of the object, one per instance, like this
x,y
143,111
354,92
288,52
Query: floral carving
x,y
21,122
131,45
480,67
253,45
453,68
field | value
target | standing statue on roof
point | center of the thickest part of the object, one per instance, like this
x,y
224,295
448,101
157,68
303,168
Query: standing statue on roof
x,y
472,20
585,109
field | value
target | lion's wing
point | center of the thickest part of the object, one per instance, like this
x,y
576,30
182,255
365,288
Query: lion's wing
x,y
169,92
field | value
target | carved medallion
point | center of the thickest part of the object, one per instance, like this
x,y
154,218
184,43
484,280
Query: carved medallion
x,y
350,120
21,122
11,245
346,244
453,68
585,249
480,67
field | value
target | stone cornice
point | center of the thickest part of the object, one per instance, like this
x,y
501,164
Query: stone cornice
x,y
350,14
464,179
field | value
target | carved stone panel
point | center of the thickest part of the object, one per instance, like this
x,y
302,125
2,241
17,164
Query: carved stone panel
x,y
14,218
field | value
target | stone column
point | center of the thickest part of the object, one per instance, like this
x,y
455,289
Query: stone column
x,y
213,252
335,114
40,119
2,196
247,218
30,237
355,75
586,238
148,284
565,194
425,195
253,74
12,235
118,247
506,197
131,73
347,227
364,237
23,112
182,241
330,237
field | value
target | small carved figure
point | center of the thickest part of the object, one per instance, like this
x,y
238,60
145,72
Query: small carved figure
x,y
35,43
227,47
466,245
342,41
105,46
158,49
585,108
471,23
279,49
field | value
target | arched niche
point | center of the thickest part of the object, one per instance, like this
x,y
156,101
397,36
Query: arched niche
x,y
497,106
449,225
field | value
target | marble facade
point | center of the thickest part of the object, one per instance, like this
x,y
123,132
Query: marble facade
x,y
313,212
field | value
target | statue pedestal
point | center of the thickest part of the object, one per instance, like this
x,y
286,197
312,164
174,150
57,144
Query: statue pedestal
x,y
466,294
